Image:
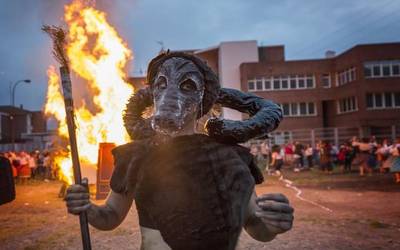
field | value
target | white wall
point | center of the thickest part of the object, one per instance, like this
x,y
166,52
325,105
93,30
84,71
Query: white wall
x,y
231,55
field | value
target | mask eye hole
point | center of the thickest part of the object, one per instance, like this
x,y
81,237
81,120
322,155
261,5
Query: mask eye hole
x,y
188,85
161,83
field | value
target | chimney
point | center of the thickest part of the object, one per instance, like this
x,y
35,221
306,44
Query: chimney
x,y
330,54
21,106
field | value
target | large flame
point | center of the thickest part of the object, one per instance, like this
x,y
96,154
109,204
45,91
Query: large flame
x,y
98,55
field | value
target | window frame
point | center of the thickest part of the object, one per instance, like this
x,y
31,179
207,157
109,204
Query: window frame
x,y
382,96
347,105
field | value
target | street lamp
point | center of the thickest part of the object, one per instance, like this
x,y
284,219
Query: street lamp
x,y
13,89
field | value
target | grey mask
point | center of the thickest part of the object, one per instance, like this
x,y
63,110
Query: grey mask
x,y
178,90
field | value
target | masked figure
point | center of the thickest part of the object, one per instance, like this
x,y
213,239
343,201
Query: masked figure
x,y
192,191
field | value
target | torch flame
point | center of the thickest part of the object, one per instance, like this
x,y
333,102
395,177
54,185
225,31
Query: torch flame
x,y
98,55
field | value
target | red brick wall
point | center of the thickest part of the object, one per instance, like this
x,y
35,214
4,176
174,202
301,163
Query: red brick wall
x,y
354,57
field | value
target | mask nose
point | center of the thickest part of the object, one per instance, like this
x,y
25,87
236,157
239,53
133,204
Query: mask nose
x,y
162,123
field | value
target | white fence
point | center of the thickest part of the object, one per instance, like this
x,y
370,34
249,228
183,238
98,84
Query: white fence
x,y
28,147
334,135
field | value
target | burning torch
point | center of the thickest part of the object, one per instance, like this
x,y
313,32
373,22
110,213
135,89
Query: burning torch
x,y
58,36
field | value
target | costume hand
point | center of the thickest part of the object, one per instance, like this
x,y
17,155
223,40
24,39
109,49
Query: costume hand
x,y
77,198
275,212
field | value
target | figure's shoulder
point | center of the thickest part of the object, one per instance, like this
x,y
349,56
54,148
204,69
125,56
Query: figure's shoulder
x,y
127,162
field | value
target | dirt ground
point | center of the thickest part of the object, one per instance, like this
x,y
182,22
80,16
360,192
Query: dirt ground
x,y
365,214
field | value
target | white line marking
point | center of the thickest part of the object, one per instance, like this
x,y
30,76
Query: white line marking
x,y
289,184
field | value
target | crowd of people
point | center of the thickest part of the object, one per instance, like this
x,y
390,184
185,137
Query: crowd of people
x,y
30,165
367,155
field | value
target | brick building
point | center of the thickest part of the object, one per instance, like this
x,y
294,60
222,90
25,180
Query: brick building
x,y
360,88
22,129
357,91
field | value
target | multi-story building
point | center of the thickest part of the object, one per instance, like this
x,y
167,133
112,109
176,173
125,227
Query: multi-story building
x,y
358,89
21,129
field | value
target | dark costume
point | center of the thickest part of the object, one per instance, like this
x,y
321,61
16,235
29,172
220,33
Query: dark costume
x,y
194,189
7,187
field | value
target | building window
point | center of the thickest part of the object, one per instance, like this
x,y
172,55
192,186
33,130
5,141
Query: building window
x,y
326,81
311,108
286,109
281,83
303,108
376,70
301,82
294,109
251,85
346,76
267,83
386,70
382,69
370,100
378,101
385,100
367,72
298,109
347,105
293,82
259,84
397,99
396,69
284,82
388,100
310,81
277,83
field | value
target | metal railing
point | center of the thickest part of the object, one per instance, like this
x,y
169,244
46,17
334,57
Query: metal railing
x,y
336,135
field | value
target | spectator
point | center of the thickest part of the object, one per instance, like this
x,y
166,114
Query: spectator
x,y
265,152
395,166
298,157
334,154
349,156
326,162
317,154
24,172
40,166
341,157
289,153
372,161
32,164
277,159
383,154
309,152
363,151
47,166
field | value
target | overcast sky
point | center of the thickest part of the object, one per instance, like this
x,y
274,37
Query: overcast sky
x,y
307,28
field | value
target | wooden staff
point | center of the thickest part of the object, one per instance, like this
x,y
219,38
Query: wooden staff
x,y
58,36
69,111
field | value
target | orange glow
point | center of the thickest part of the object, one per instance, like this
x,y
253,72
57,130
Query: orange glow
x,y
98,55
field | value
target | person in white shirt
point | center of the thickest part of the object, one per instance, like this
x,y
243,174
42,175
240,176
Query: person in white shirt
x,y
309,155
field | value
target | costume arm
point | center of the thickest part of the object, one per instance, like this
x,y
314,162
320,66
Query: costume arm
x,y
103,217
254,226
268,215
112,213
